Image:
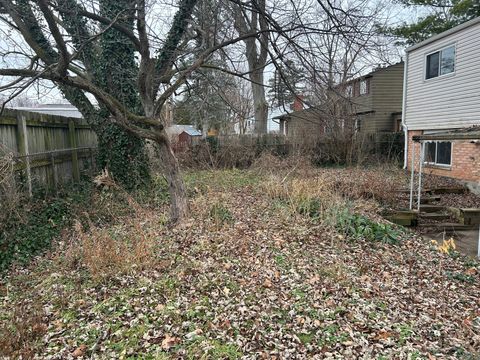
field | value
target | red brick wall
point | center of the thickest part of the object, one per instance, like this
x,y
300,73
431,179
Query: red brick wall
x,y
465,160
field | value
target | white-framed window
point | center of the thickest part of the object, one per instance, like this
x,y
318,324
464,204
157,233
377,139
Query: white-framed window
x,y
349,90
440,62
438,153
358,123
364,86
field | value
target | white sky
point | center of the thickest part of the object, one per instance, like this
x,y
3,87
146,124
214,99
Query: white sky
x,y
159,18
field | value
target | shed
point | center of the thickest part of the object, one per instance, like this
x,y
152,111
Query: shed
x,y
187,136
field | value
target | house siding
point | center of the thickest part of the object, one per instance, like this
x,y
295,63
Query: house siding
x,y
450,101
384,99
387,92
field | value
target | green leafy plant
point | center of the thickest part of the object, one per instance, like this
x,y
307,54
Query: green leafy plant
x,y
359,227
220,214
19,242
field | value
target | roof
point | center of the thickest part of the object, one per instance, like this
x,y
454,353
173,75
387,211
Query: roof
x,y
297,113
192,132
65,110
470,133
178,129
374,71
444,34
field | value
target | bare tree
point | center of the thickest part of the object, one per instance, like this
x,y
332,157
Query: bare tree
x,y
59,41
248,21
61,38
239,100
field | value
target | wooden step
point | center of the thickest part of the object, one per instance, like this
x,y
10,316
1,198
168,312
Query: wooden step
x,y
429,199
403,217
407,191
448,226
431,208
449,190
435,216
469,216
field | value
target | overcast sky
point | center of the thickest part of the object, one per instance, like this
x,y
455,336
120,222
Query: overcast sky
x,y
159,18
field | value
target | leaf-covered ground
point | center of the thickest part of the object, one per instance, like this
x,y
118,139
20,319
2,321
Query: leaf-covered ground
x,y
246,278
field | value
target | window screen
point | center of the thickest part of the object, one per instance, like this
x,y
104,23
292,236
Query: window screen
x,y
444,153
438,153
440,63
430,151
432,65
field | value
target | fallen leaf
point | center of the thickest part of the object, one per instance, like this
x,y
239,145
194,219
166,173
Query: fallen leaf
x,y
80,351
169,342
382,335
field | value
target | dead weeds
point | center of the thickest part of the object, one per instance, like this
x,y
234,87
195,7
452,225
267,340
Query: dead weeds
x,y
270,284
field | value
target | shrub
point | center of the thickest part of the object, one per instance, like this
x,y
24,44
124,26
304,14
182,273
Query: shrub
x,y
220,214
359,227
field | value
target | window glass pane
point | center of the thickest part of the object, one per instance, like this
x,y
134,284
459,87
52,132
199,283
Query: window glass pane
x,y
433,65
430,149
447,65
349,91
363,87
444,153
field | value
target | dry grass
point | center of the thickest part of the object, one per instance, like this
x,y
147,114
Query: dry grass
x,y
108,252
306,196
9,195
293,165
24,329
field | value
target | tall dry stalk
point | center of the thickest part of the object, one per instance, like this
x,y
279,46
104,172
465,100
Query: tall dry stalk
x,y
9,194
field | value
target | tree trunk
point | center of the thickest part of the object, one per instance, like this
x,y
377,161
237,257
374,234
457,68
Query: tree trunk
x,y
176,187
259,102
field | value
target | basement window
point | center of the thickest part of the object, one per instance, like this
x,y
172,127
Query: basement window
x,y
440,63
438,153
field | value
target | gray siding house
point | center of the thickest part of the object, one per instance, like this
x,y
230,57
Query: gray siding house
x,y
442,97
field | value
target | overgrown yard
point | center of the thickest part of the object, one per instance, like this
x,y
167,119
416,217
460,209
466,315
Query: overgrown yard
x,y
273,265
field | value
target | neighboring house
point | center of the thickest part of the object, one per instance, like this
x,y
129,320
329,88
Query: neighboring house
x,y
302,123
442,102
371,103
377,99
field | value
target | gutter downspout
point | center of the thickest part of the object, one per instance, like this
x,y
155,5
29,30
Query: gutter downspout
x,y
404,106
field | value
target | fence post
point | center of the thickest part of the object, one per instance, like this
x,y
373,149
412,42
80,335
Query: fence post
x,y
73,145
92,169
23,149
54,171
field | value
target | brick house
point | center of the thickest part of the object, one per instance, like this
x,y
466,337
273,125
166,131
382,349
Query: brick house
x,y
441,103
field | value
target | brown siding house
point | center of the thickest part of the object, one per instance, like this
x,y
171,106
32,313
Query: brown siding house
x,y
377,99
373,103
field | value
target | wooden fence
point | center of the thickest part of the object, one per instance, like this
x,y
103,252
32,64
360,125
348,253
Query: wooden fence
x,y
48,150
